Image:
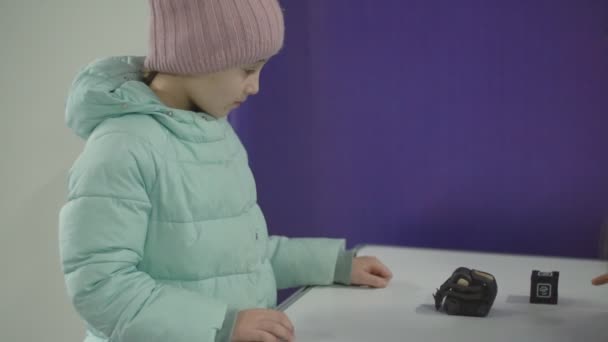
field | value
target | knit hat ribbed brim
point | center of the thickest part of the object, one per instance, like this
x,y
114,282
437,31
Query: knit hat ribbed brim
x,y
205,36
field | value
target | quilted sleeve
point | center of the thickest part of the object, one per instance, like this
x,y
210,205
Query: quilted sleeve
x,y
304,261
103,229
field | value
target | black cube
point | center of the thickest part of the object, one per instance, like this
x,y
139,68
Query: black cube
x,y
543,289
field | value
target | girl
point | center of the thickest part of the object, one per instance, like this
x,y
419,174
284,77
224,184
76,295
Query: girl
x,y
162,238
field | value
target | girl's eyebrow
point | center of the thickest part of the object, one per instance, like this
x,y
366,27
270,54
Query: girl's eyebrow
x,y
261,61
255,64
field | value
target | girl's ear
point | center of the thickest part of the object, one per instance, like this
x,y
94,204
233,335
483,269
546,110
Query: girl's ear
x,y
148,76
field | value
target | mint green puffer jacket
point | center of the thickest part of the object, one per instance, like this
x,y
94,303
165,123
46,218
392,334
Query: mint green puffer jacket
x,y
161,238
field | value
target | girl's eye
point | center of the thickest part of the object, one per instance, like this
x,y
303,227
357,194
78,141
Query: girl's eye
x,y
249,71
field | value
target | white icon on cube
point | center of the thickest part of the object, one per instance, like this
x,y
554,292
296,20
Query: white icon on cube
x,y
543,290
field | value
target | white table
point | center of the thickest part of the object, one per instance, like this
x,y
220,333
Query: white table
x,y
405,310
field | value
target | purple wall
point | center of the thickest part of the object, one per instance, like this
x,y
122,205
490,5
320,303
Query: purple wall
x,y
478,125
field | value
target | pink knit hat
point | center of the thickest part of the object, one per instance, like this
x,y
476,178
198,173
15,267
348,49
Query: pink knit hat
x,y
205,36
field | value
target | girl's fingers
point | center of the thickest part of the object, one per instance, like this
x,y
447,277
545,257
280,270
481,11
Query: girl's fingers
x,y
601,280
373,281
381,270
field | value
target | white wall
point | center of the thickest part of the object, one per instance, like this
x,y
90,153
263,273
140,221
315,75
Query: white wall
x,y
43,44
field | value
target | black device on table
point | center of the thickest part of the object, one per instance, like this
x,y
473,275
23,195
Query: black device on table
x,y
467,292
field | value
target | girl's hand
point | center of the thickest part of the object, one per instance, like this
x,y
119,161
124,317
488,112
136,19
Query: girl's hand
x,y
601,280
262,325
369,271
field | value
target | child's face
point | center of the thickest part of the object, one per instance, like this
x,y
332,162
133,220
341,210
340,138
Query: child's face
x,y
219,93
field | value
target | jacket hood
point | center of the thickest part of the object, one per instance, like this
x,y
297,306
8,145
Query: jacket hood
x,y
113,87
